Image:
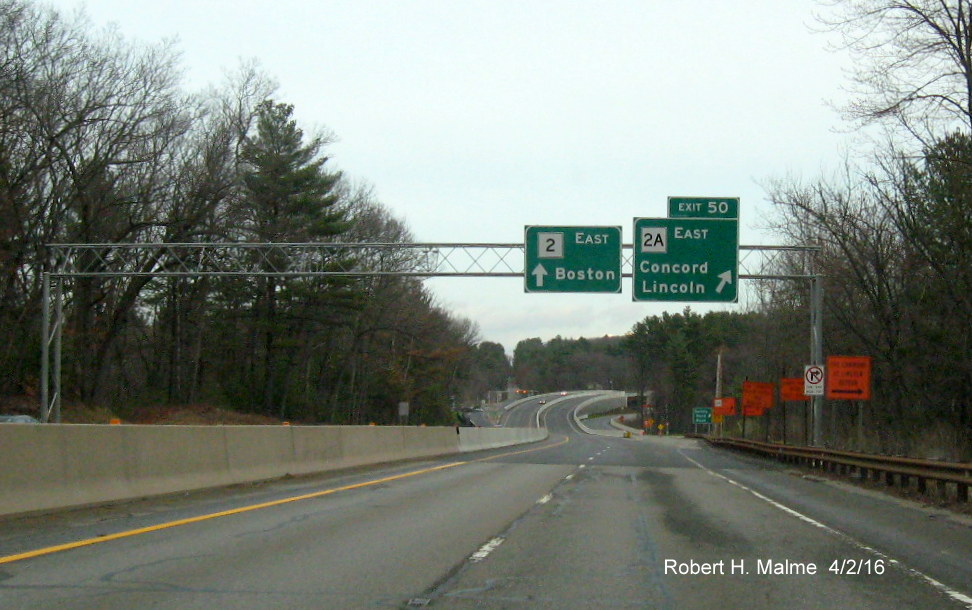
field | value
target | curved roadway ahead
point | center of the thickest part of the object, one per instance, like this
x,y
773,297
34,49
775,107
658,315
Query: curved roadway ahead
x,y
577,521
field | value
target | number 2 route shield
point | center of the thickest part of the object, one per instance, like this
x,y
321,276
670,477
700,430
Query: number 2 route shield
x,y
572,259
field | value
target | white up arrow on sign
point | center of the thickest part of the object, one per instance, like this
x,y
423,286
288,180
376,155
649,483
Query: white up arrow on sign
x,y
539,272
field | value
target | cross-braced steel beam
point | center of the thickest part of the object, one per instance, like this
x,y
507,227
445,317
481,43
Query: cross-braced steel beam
x,y
350,259
337,260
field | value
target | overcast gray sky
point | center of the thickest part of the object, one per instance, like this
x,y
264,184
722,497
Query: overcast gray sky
x,y
472,119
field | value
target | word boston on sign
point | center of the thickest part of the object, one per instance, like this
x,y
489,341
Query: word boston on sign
x,y
572,259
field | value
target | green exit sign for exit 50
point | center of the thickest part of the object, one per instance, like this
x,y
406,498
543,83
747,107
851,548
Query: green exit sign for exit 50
x,y
703,207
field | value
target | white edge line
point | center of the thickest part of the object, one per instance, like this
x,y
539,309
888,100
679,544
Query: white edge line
x,y
486,549
956,595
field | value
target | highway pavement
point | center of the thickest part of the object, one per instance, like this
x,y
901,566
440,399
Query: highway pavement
x,y
578,521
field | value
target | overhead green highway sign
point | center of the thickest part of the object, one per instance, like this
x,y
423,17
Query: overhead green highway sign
x,y
703,207
572,259
686,259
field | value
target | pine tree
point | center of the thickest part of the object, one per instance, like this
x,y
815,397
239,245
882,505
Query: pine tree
x,y
290,197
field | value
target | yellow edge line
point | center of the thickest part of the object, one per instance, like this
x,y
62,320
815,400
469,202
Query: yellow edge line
x,y
245,509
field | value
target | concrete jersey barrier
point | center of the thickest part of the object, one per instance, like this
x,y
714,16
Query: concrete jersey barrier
x,y
56,466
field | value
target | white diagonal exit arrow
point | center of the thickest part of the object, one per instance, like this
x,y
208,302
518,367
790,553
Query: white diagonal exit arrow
x,y
539,272
726,277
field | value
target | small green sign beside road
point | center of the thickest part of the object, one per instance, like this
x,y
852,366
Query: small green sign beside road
x,y
702,415
686,259
572,259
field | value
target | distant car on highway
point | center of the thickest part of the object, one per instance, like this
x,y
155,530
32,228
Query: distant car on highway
x,y
17,419
563,393
541,402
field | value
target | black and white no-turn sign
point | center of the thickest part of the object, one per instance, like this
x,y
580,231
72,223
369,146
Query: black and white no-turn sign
x,y
813,380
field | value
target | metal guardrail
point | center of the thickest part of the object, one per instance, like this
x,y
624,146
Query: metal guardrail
x,y
898,471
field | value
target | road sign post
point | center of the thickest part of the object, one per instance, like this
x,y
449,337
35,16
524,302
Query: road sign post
x,y
686,259
572,259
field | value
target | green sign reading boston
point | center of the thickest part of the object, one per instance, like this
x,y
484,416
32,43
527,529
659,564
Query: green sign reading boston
x,y
686,259
572,259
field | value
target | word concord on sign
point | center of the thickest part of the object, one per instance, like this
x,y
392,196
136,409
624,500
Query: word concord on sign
x,y
686,259
572,259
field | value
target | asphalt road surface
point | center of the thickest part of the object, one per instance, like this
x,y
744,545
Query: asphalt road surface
x,y
578,521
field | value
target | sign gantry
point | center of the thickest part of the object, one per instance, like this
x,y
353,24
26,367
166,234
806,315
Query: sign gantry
x,y
68,262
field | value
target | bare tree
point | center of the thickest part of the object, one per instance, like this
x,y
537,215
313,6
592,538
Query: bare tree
x,y
912,61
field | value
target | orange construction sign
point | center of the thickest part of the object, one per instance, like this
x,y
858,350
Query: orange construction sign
x,y
724,406
757,397
848,378
791,389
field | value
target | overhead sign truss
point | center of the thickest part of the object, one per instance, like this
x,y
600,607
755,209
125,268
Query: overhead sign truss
x,y
351,259
419,260
286,259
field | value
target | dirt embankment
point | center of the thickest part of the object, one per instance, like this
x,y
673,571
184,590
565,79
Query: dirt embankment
x,y
181,415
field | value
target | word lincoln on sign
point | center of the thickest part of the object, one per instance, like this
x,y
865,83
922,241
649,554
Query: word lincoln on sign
x,y
572,259
686,259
